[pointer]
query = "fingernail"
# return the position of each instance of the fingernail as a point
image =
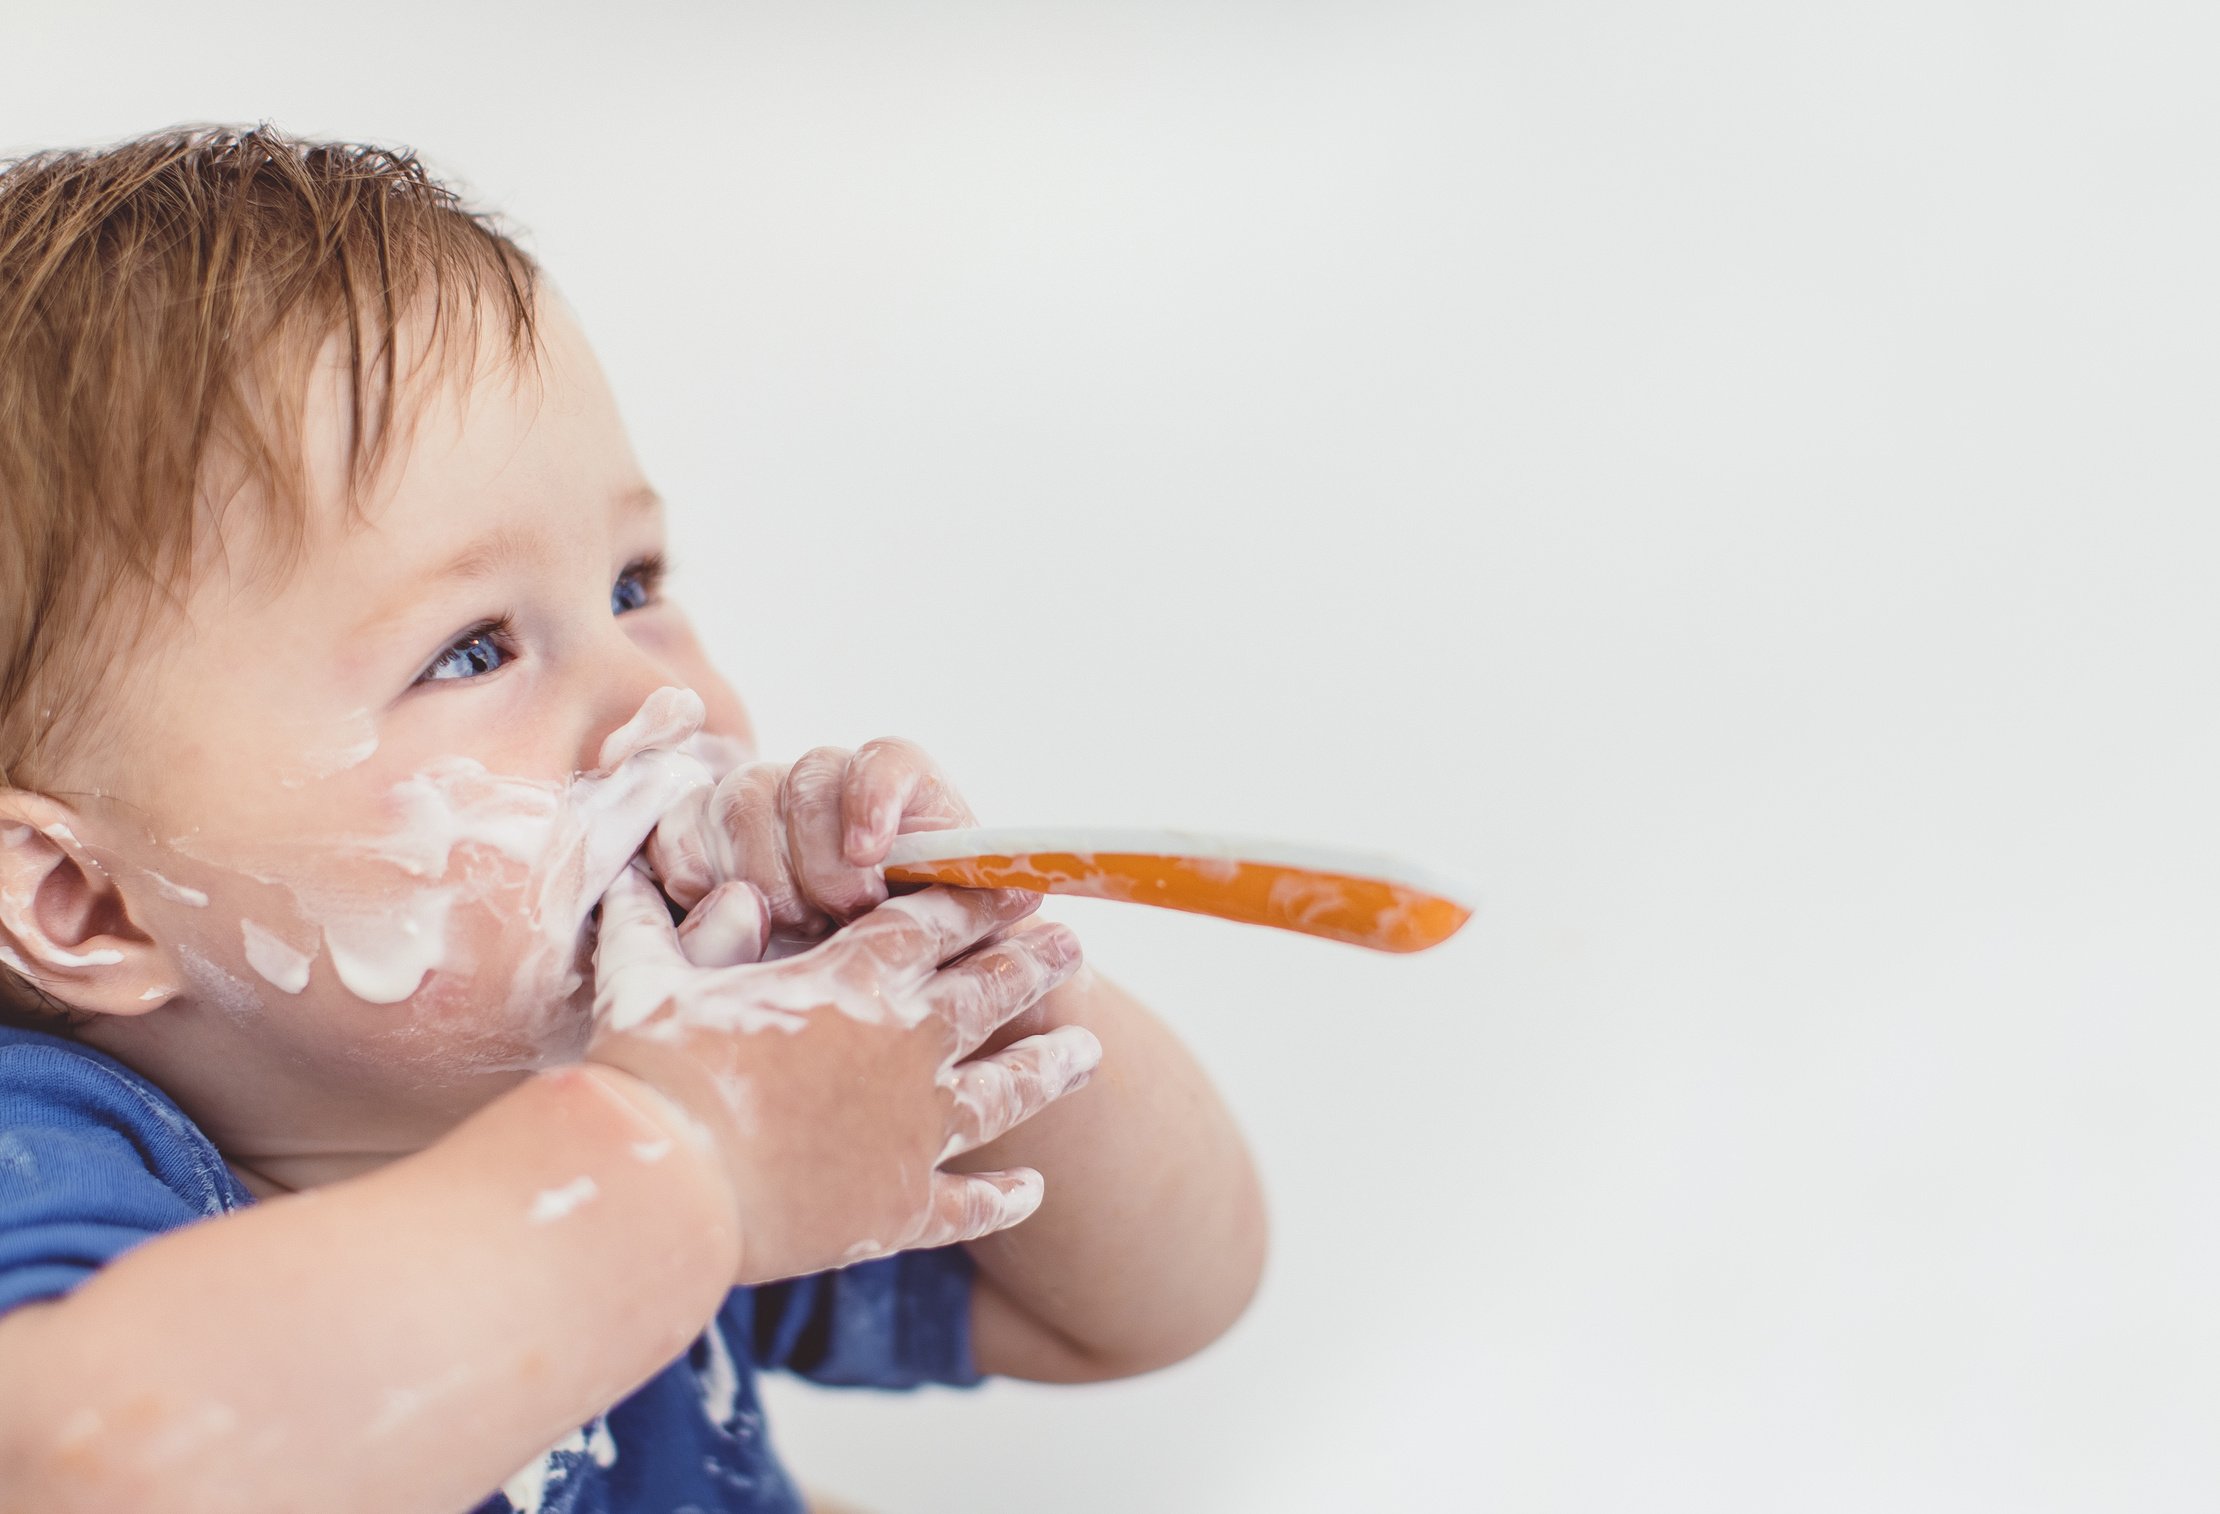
(869, 838)
(1063, 945)
(1015, 903)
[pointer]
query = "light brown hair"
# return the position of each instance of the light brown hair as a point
(163, 303)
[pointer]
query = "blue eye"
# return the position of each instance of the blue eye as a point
(636, 585)
(475, 654)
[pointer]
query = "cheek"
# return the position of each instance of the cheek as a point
(486, 963)
(364, 967)
(433, 990)
(506, 997)
(448, 931)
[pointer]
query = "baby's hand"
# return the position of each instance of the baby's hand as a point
(829, 1087)
(810, 838)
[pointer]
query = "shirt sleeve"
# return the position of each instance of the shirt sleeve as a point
(93, 1161)
(896, 1322)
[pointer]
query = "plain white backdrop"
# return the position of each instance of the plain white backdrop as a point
(1734, 481)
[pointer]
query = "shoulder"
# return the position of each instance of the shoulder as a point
(49, 1083)
(93, 1159)
(45, 1073)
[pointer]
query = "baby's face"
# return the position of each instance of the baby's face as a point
(385, 770)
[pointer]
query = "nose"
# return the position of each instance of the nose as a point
(636, 705)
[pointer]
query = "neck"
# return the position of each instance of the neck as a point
(273, 1176)
(279, 1131)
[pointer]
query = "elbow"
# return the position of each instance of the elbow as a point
(1236, 1272)
(1226, 1268)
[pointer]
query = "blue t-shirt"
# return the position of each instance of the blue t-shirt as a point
(95, 1159)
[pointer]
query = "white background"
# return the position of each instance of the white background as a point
(1735, 481)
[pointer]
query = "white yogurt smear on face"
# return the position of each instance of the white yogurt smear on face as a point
(462, 836)
(278, 963)
(177, 893)
(383, 956)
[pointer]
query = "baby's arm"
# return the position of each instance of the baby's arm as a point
(1151, 1239)
(398, 1343)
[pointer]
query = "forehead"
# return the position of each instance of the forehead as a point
(473, 424)
(487, 461)
(479, 430)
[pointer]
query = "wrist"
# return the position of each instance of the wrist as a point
(658, 1132)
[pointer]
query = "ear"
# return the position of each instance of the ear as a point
(64, 924)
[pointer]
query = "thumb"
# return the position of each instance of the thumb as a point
(634, 952)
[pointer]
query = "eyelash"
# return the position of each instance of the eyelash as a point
(649, 572)
(499, 634)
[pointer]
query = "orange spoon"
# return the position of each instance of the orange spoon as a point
(1358, 897)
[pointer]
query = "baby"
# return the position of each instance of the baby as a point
(367, 1126)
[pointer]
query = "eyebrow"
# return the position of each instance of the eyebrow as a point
(487, 555)
(496, 550)
(507, 544)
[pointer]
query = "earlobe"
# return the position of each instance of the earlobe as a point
(64, 925)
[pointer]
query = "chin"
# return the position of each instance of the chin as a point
(454, 1034)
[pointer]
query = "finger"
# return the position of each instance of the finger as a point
(687, 851)
(811, 803)
(994, 1095)
(730, 926)
(746, 810)
(994, 985)
(893, 786)
(634, 950)
(966, 1206)
(635, 922)
(912, 935)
